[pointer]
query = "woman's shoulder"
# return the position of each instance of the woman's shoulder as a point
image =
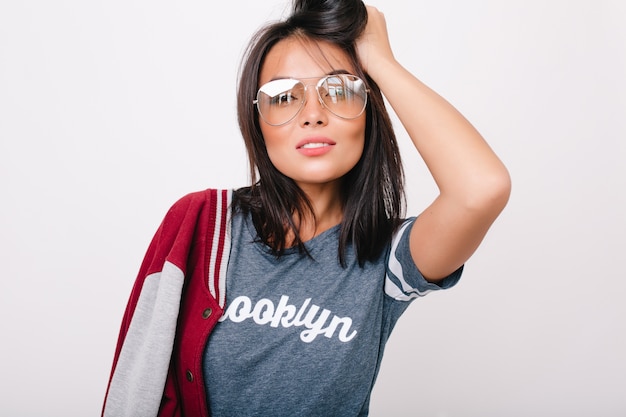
(197, 200)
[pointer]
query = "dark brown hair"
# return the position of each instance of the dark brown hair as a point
(372, 192)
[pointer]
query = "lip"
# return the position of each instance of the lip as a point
(327, 146)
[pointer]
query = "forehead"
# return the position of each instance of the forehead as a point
(303, 58)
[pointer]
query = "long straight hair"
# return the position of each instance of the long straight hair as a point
(372, 192)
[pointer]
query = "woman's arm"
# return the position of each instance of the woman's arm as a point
(473, 183)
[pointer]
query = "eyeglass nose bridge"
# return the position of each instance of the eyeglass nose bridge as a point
(316, 87)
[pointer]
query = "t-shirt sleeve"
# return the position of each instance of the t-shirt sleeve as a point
(403, 281)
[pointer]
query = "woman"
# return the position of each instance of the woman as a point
(278, 298)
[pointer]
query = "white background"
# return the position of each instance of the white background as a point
(112, 110)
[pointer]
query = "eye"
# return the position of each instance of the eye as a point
(281, 92)
(284, 99)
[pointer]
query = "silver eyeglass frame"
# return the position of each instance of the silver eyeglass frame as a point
(255, 102)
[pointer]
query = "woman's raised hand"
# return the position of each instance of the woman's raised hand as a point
(373, 46)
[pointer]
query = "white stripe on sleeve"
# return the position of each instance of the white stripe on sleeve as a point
(395, 283)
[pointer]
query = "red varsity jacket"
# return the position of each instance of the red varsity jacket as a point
(177, 299)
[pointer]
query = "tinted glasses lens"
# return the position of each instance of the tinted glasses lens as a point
(344, 95)
(280, 100)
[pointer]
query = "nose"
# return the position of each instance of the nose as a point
(313, 112)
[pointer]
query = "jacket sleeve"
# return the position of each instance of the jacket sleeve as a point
(144, 347)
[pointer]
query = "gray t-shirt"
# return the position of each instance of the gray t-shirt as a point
(302, 336)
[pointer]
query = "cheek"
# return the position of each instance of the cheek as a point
(358, 135)
(274, 139)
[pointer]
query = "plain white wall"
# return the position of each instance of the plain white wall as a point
(112, 110)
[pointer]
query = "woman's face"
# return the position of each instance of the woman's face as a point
(315, 148)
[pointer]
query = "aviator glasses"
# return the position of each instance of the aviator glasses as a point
(279, 101)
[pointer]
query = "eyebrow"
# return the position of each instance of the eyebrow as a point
(333, 72)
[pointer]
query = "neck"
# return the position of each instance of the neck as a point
(327, 208)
